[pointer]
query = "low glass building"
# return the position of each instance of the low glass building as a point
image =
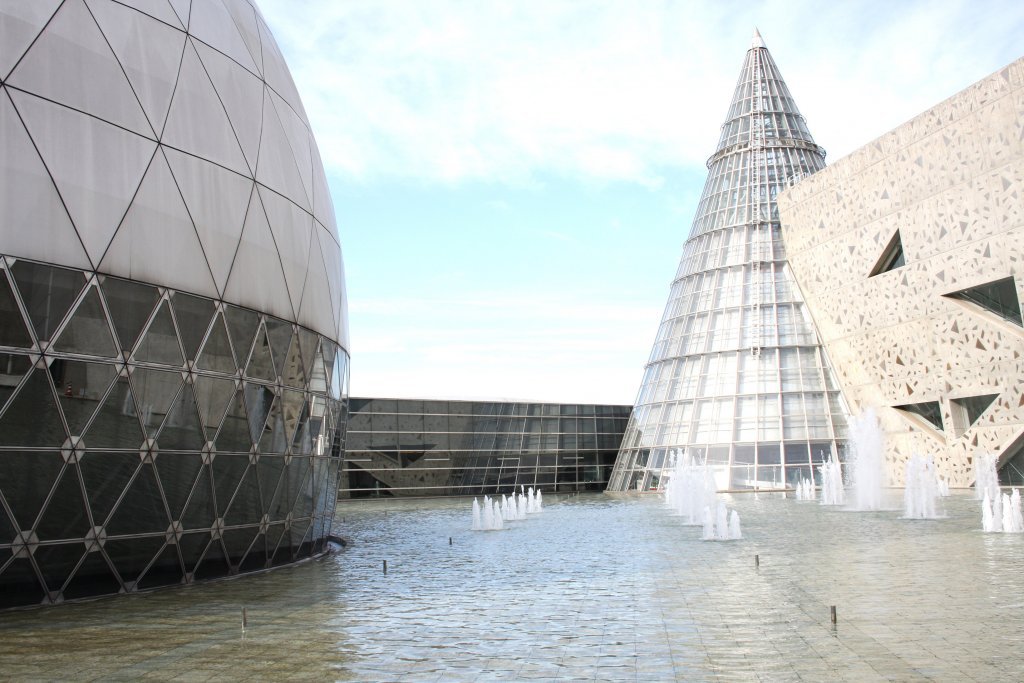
(404, 447)
(173, 333)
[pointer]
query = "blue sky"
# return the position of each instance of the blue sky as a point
(514, 181)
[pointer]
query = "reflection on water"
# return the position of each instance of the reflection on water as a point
(595, 587)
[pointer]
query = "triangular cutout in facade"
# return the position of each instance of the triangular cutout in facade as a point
(892, 256)
(72, 63)
(998, 296)
(968, 409)
(929, 411)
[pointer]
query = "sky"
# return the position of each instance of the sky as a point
(514, 181)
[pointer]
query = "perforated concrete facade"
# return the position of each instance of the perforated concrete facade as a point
(951, 183)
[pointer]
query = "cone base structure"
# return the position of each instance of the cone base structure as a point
(737, 375)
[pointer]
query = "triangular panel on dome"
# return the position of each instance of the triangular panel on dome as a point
(165, 570)
(257, 280)
(316, 309)
(32, 417)
(196, 122)
(93, 577)
(130, 305)
(82, 387)
(227, 470)
(155, 391)
(234, 434)
(244, 17)
(181, 430)
(279, 334)
(270, 469)
(293, 371)
(183, 8)
(141, 509)
(97, 183)
(278, 167)
(217, 200)
(293, 229)
(47, 292)
(300, 141)
(15, 367)
(157, 241)
(36, 223)
(160, 342)
(274, 438)
(323, 204)
(158, 9)
(216, 353)
(13, 328)
(214, 561)
(71, 63)
(261, 363)
(149, 51)
(308, 342)
(179, 474)
(211, 23)
(242, 95)
(131, 556)
(245, 505)
(87, 331)
(67, 514)
(213, 395)
(330, 249)
(193, 315)
(20, 23)
(56, 563)
(242, 324)
(106, 475)
(116, 423)
(201, 512)
(259, 400)
(237, 542)
(276, 72)
(293, 404)
(26, 495)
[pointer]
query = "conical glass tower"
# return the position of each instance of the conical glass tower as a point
(737, 374)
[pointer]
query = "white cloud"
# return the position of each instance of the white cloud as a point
(447, 91)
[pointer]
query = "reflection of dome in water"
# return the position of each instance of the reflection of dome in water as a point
(173, 330)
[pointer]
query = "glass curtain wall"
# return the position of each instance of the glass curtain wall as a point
(737, 375)
(409, 447)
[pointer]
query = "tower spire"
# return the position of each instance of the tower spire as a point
(737, 374)
(756, 41)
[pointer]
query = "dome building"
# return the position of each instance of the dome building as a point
(173, 328)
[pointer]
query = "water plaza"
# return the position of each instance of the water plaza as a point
(595, 587)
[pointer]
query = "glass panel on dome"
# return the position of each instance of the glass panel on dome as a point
(216, 353)
(130, 304)
(47, 292)
(160, 343)
(87, 332)
(193, 315)
(13, 331)
(242, 325)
